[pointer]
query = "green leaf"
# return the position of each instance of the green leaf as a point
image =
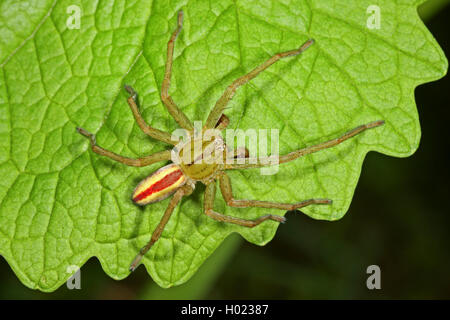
(61, 204)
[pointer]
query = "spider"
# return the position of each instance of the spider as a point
(179, 179)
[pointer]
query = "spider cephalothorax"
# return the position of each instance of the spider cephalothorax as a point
(205, 160)
(195, 160)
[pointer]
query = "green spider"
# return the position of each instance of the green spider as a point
(179, 179)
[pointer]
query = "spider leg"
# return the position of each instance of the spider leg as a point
(185, 190)
(173, 109)
(238, 153)
(241, 152)
(210, 194)
(262, 162)
(152, 132)
(140, 162)
(225, 188)
(220, 105)
(223, 122)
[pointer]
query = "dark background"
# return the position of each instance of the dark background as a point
(399, 220)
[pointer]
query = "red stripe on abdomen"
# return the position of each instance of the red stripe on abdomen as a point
(159, 185)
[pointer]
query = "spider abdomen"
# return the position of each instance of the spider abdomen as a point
(159, 185)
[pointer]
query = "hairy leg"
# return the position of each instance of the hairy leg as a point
(183, 191)
(140, 162)
(152, 132)
(173, 109)
(220, 105)
(225, 188)
(210, 194)
(262, 162)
